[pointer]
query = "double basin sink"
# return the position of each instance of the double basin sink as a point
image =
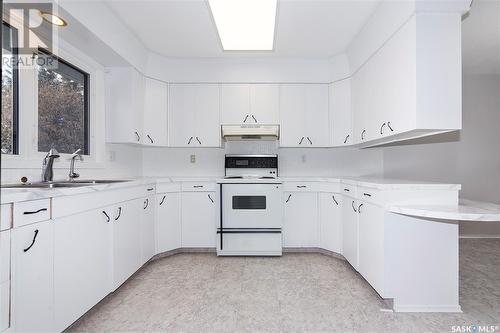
(57, 184)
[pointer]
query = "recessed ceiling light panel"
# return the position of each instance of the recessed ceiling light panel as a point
(53, 19)
(245, 25)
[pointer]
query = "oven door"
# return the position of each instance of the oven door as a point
(251, 206)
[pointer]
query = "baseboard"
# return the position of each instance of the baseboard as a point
(313, 250)
(429, 308)
(482, 236)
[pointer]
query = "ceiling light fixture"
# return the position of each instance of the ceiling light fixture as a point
(245, 25)
(53, 19)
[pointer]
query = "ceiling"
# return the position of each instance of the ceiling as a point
(481, 38)
(184, 28)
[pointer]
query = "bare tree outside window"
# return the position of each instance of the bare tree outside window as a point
(9, 91)
(62, 107)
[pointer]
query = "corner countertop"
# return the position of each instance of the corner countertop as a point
(467, 210)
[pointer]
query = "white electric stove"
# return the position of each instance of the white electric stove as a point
(251, 217)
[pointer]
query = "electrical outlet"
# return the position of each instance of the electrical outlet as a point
(303, 158)
(193, 158)
(112, 155)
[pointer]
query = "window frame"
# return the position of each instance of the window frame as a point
(86, 101)
(15, 93)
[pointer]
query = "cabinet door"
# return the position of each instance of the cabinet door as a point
(371, 244)
(300, 227)
(340, 113)
(168, 230)
(194, 115)
(208, 132)
(264, 103)
(198, 225)
(235, 104)
(330, 222)
(350, 230)
(316, 116)
(138, 86)
(82, 264)
(4, 279)
(155, 113)
(126, 240)
(304, 115)
(147, 222)
(33, 277)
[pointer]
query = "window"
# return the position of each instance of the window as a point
(63, 106)
(10, 104)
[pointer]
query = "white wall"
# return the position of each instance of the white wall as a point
(471, 158)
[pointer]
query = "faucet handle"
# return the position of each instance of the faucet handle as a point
(53, 153)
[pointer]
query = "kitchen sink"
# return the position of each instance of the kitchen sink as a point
(58, 184)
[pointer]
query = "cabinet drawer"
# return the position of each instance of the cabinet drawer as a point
(28, 212)
(198, 187)
(6, 217)
(329, 187)
(369, 195)
(4, 256)
(4, 305)
(168, 187)
(301, 186)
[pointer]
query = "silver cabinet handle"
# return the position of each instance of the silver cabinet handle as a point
(359, 208)
(190, 139)
(210, 198)
(107, 216)
(138, 136)
(363, 135)
(35, 212)
(32, 242)
(255, 119)
(197, 186)
(382, 129)
(288, 199)
(197, 139)
(245, 120)
(119, 214)
(346, 138)
(301, 186)
(334, 200)
(150, 138)
(353, 208)
(146, 203)
(367, 194)
(300, 142)
(162, 200)
(309, 140)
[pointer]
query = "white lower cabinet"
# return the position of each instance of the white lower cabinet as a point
(300, 226)
(82, 263)
(350, 230)
(168, 221)
(330, 222)
(148, 229)
(4, 280)
(126, 240)
(198, 219)
(371, 244)
(33, 277)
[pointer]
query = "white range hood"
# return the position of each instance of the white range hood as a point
(251, 132)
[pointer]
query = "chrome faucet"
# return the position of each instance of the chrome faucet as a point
(76, 155)
(48, 164)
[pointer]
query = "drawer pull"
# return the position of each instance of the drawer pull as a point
(255, 119)
(346, 138)
(32, 242)
(382, 129)
(288, 199)
(335, 200)
(162, 200)
(189, 141)
(389, 125)
(197, 139)
(35, 212)
(347, 190)
(308, 139)
(367, 194)
(150, 138)
(359, 208)
(119, 214)
(363, 135)
(146, 203)
(137, 136)
(150, 189)
(107, 216)
(301, 186)
(300, 142)
(210, 198)
(197, 186)
(245, 120)
(353, 208)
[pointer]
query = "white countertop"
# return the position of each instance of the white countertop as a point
(467, 210)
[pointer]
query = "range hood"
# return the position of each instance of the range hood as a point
(251, 132)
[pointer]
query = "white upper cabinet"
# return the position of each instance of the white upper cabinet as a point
(194, 115)
(155, 113)
(124, 106)
(304, 115)
(250, 103)
(411, 86)
(340, 113)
